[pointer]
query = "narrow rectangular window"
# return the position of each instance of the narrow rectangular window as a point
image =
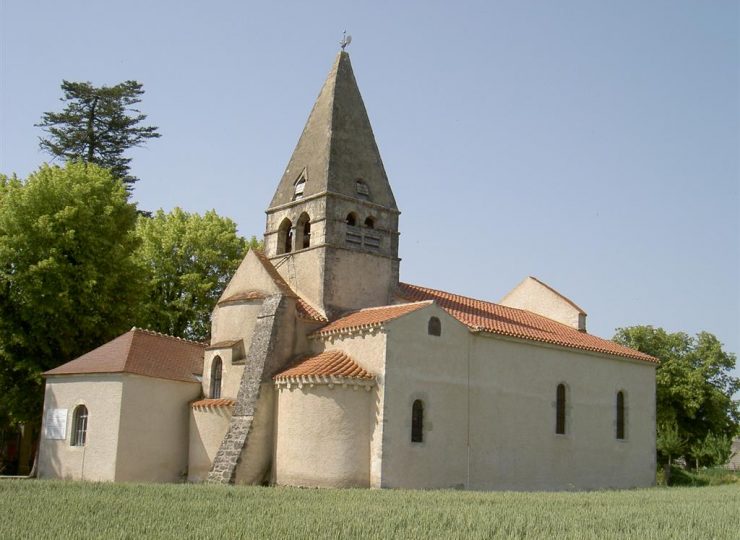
(417, 421)
(620, 415)
(560, 410)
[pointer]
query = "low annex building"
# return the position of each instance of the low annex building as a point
(324, 369)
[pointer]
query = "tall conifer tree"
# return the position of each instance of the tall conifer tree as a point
(97, 126)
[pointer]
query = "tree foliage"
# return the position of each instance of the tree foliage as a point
(189, 260)
(694, 383)
(97, 125)
(68, 282)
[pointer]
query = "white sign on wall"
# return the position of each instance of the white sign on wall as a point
(56, 424)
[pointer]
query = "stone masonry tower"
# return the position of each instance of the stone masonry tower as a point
(332, 226)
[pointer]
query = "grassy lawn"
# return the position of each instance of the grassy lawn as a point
(46, 509)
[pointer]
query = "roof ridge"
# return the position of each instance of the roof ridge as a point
(386, 306)
(561, 295)
(160, 334)
(502, 306)
(490, 317)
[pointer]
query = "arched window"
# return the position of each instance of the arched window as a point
(352, 219)
(434, 328)
(285, 236)
(79, 426)
(560, 410)
(370, 222)
(620, 415)
(417, 421)
(303, 231)
(216, 374)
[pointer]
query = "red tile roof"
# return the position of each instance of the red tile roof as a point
(369, 317)
(141, 352)
(328, 363)
(496, 319)
(207, 403)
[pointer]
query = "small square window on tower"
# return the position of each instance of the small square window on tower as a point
(300, 184)
(362, 189)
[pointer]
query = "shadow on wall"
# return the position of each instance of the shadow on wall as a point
(51, 464)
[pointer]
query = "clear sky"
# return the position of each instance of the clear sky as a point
(594, 145)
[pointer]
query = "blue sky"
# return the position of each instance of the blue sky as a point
(593, 145)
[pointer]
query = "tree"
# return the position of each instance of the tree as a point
(189, 259)
(68, 282)
(97, 126)
(694, 385)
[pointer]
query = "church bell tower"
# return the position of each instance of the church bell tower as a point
(332, 226)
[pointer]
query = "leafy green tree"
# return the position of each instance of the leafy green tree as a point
(68, 282)
(97, 126)
(694, 382)
(669, 441)
(189, 259)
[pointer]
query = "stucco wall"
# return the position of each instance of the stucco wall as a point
(533, 296)
(515, 446)
(153, 436)
(207, 429)
(95, 461)
(367, 349)
(254, 467)
(231, 373)
(432, 369)
(509, 390)
(304, 272)
(234, 320)
(323, 436)
(357, 280)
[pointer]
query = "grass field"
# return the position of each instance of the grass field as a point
(46, 509)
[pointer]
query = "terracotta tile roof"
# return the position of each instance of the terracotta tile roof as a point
(518, 323)
(369, 317)
(246, 295)
(304, 309)
(328, 363)
(141, 352)
(207, 403)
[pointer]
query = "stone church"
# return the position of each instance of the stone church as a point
(324, 369)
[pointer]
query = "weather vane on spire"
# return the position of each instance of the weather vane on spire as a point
(346, 40)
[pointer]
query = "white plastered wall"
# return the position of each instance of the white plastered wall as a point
(234, 320)
(434, 370)
(534, 296)
(96, 460)
(512, 407)
(208, 426)
(231, 373)
(323, 436)
(259, 448)
(153, 435)
(499, 395)
(367, 348)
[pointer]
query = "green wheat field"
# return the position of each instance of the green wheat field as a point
(54, 509)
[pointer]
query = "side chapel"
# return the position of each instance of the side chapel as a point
(323, 369)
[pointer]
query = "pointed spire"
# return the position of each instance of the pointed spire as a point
(337, 147)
